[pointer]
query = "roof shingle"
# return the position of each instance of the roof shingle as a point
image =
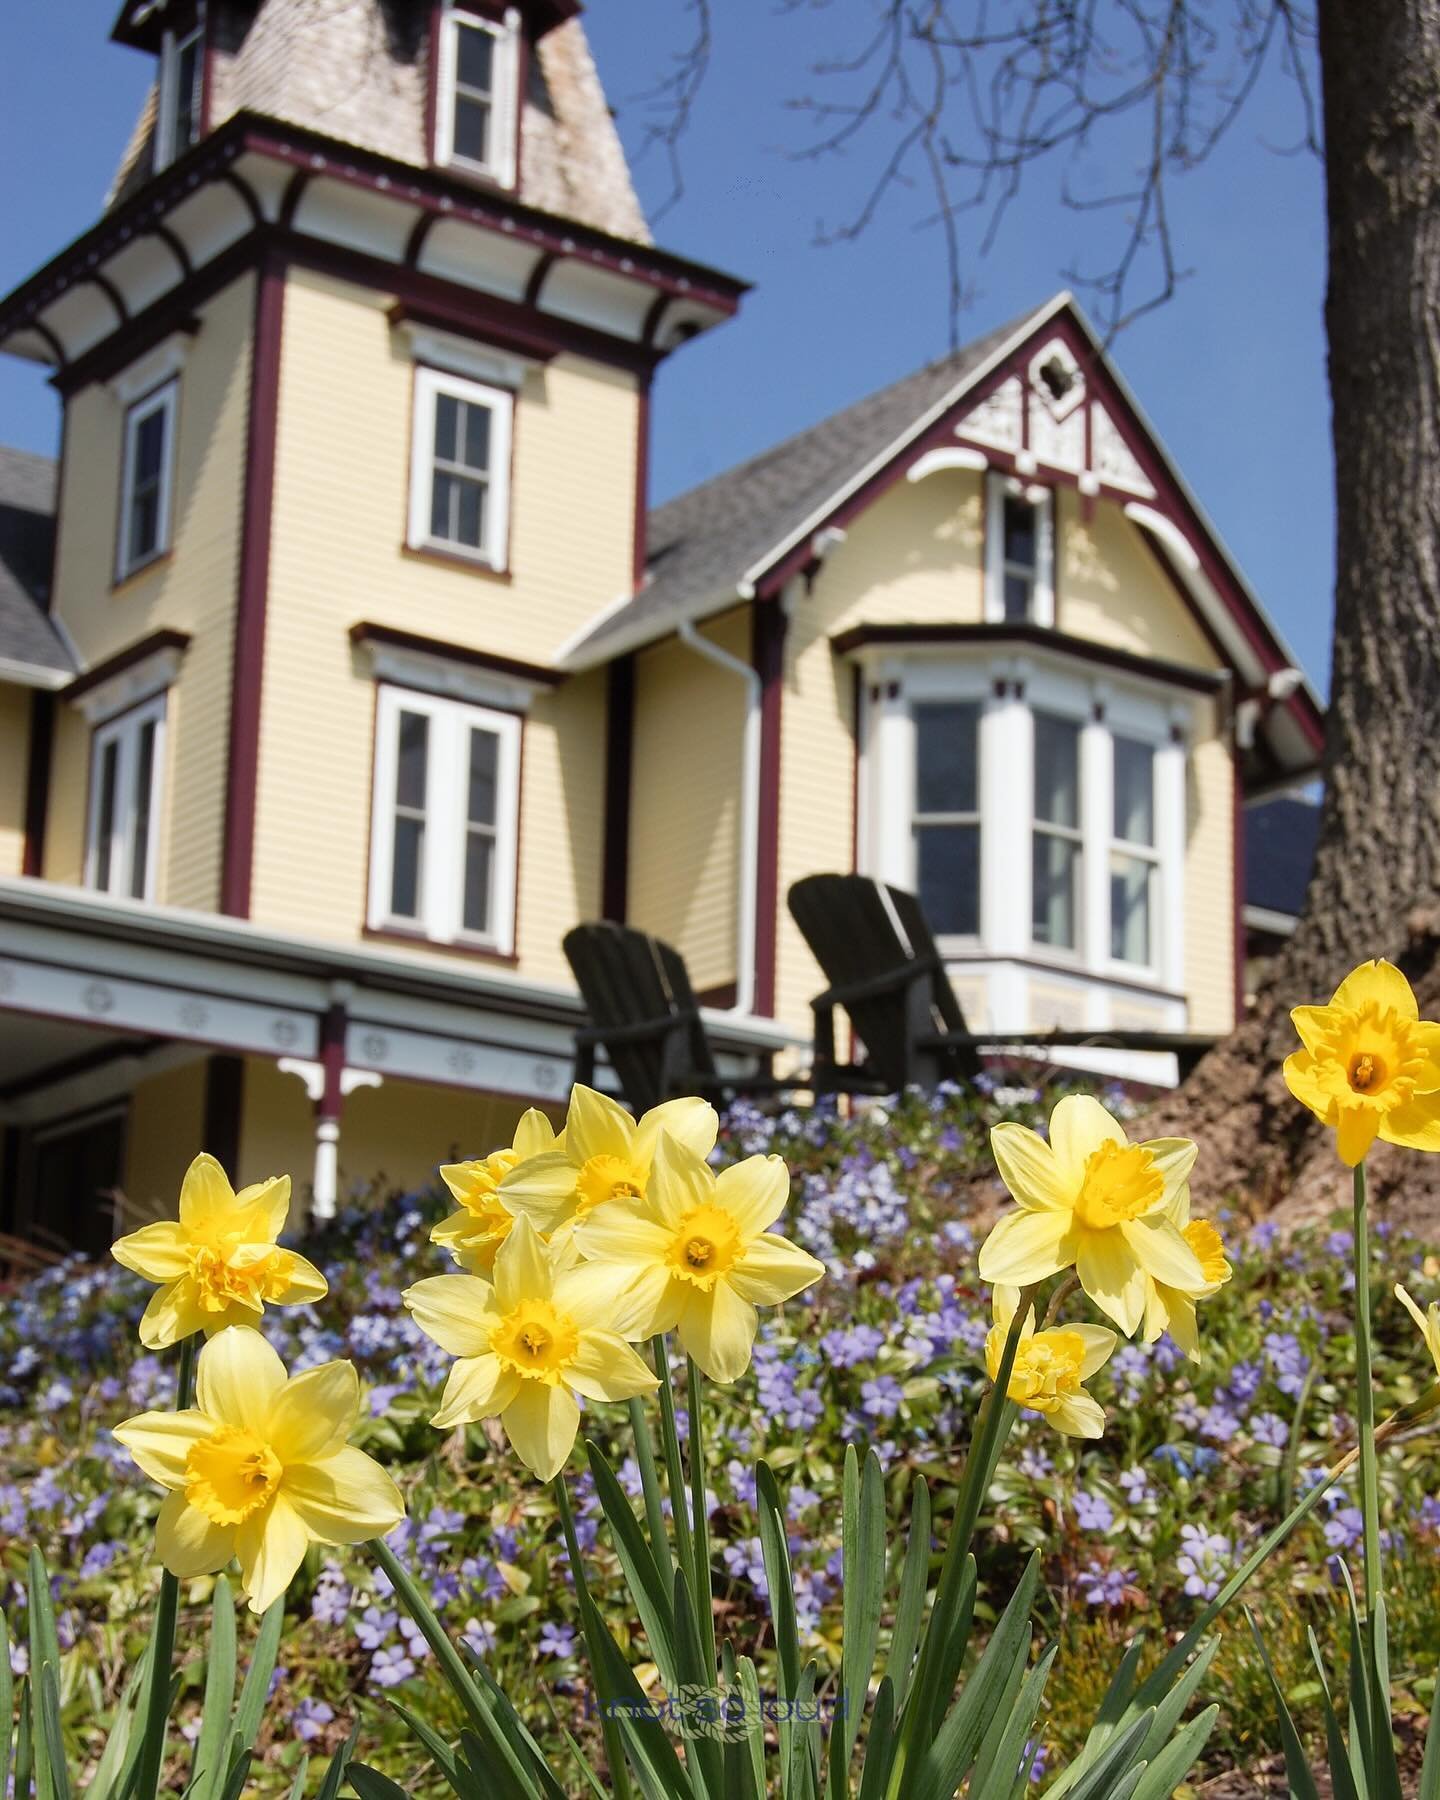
(27, 552)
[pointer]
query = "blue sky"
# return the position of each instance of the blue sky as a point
(1231, 371)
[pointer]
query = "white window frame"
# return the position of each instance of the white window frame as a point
(430, 384)
(504, 97)
(166, 401)
(124, 732)
(1149, 854)
(999, 487)
(1068, 710)
(914, 817)
(173, 46)
(442, 870)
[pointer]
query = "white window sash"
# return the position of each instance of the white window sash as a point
(504, 93)
(430, 384)
(997, 486)
(162, 401)
(172, 47)
(125, 733)
(442, 871)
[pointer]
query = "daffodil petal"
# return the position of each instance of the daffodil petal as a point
(174, 1313)
(1175, 1158)
(205, 1193)
(754, 1192)
(1356, 1130)
(542, 1189)
(301, 1283)
(189, 1543)
(1303, 1081)
(343, 1498)
(1111, 1276)
(267, 1204)
(534, 1135)
(606, 1368)
(1099, 1344)
(689, 1121)
(1027, 1246)
(541, 1423)
(1079, 1125)
(616, 1233)
(596, 1292)
(1311, 1023)
(159, 1252)
(1414, 1126)
(270, 1546)
(680, 1181)
(1077, 1415)
(524, 1267)
(772, 1269)
(1379, 984)
(718, 1329)
(596, 1125)
(477, 1388)
(1028, 1168)
(161, 1441)
(1163, 1254)
(237, 1377)
(456, 1311)
(314, 1413)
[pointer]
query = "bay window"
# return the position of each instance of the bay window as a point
(477, 94)
(446, 805)
(1056, 840)
(947, 815)
(124, 807)
(1134, 859)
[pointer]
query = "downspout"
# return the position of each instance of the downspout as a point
(749, 809)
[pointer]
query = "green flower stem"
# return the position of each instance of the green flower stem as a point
(674, 1468)
(699, 1514)
(162, 1636)
(1365, 1402)
(593, 1625)
(650, 1483)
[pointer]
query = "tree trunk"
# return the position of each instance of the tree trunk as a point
(1375, 890)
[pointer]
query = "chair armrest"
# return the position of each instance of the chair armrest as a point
(874, 986)
(637, 1033)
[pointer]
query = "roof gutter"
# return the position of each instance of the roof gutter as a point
(749, 809)
(34, 675)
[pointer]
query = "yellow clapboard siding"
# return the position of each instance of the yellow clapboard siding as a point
(14, 760)
(685, 799)
(192, 590)
(164, 1134)
(337, 557)
(1210, 877)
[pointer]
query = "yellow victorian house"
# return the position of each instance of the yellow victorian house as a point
(341, 670)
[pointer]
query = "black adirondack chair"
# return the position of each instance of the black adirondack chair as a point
(644, 1014)
(876, 950)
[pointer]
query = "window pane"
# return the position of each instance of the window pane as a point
(149, 447)
(484, 756)
(947, 757)
(187, 82)
(1057, 771)
(1019, 593)
(411, 760)
(1053, 911)
(1131, 883)
(947, 860)
(405, 873)
(472, 130)
(479, 860)
(144, 524)
(475, 57)
(140, 816)
(441, 498)
(470, 520)
(1134, 791)
(105, 813)
(447, 427)
(477, 438)
(1019, 531)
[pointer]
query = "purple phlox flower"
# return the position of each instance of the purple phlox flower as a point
(881, 1398)
(1135, 1484)
(374, 1627)
(388, 1668)
(557, 1641)
(310, 1718)
(1270, 1428)
(1101, 1586)
(1093, 1512)
(1204, 1561)
(480, 1637)
(1344, 1528)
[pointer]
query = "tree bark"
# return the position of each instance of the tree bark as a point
(1375, 890)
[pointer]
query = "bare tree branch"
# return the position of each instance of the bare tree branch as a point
(671, 104)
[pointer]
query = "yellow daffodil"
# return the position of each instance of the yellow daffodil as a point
(602, 1155)
(1370, 1066)
(260, 1467)
(1092, 1199)
(1170, 1308)
(542, 1328)
(218, 1264)
(1050, 1366)
(1428, 1321)
(697, 1253)
(476, 1232)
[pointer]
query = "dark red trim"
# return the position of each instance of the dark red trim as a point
(538, 274)
(415, 243)
(619, 766)
(642, 481)
(768, 656)
(722, 996)
(1039, 637)
(431, 300)
(248, 196)
(176, 248)
(247, 668)
(37, 780)
(111, 293)
(290, 200)
(366, 633)
(150, 645)
(224, 1109)
(507, 327)
(857, 689)
(332, 1059)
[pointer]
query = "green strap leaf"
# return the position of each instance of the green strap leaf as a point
(370, 1784)
(50, 1730)
(914, 1582)
(255, 1690)
(1297, 1766)
(651, 1591)
(1164, 1772)
(439, 1752)
(881, 1743)
(1114, 1775)
(24, 1744)
(207, 1768)
(339, 1763)
(704, 1754)
(1002, 1753)
(863, 1595)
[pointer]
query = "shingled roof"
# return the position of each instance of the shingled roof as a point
(27, 551)
(1280, 838)
(703, 545)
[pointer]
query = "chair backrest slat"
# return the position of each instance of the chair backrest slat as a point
(628, 979)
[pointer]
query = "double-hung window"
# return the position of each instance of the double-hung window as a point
(478, 77)
(147, 479)
(1056, 835)
(1134, 857)
(946, 818)
(460, 469)
(182, 73)
(1019, 556)
(446, 820)
(127, 758)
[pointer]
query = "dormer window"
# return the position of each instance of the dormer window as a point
(477, 100)
(1019, 553)
(182, 74)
